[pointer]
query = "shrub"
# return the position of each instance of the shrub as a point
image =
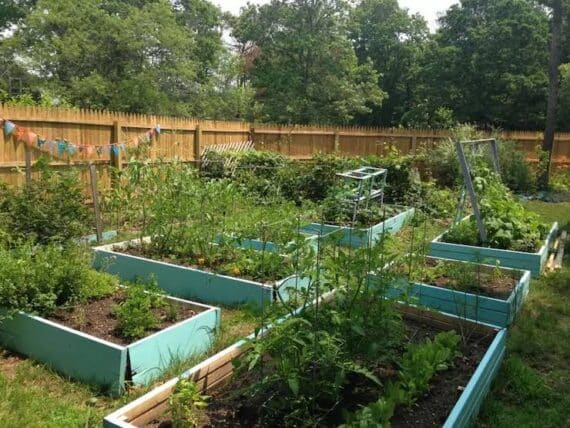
(516, 172)
(50, 208)
(399, 178)
(37, 279)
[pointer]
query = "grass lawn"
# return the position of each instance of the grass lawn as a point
(533, 387)
(34, 396)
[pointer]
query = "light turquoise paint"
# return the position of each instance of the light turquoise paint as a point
(150, 356)
(462, 414)
(488, 310)
(467, 407)
(356, 237)
(98, 362)
(188, 283)
(512, 259)
(67, 351)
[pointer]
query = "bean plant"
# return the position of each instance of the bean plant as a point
(508, 224)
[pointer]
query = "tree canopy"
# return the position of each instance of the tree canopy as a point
(368, 62)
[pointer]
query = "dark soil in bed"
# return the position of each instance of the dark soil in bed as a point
(96, 317)
(486, 281)
(229, 407)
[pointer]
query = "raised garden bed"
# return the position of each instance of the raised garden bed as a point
(82, 342)
(487, 294)
(191, 282)
(534, 262)
(361, 236)
(457, 392)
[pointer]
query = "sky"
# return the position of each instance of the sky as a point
(428, 8)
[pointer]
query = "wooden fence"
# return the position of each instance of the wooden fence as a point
(186, 139)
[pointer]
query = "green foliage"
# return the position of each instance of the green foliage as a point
(37, 279)
(50, 208)
(135, 315)
(291, 36)
(400, 173)
(509, 226)
(186, 404)
(393, 39)
(488, 64)
(435, 201)
(516, 172)
(419, 364)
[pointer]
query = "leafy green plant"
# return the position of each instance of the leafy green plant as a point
(507, 223)
(50, 208)
(135, 315)
(419, 364)
(37, 279)
(187, 404)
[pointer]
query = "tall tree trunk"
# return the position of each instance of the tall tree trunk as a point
(552, 107)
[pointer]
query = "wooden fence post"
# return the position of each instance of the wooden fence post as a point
(251, 135)
(336, 141)
(197, 143)
(116, 135)
(414, 144)
(95, 198)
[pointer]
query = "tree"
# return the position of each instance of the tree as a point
(127, 55)
(305, 69)
(488, 63)
(393, 41)
(553, 89)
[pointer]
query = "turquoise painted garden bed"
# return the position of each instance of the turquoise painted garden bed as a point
(191, 283)
(217, 369)
(361, 237)
(489, 310)
(534, 262)
(91, 360)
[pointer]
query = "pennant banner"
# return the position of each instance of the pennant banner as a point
(61, 147)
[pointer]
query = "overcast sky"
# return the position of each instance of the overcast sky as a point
(428, 8)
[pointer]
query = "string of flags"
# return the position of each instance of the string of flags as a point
(62, 147)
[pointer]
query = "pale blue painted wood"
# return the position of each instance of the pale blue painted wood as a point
(361, 237)
(185, 282)
(67, 351)
(150, 356)
(488, 310)
(467, 407)
(534, 262)
(94, 361)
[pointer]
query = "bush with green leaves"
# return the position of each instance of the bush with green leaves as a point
(516, 172)
(400, 176)
(50, 208)
(38, 279)
(135, 314)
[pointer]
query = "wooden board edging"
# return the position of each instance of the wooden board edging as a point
(152, 404)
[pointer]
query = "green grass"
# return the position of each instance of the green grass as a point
(533, 386)
(31, 395)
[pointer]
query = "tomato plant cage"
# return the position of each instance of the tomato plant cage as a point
(367, 186)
